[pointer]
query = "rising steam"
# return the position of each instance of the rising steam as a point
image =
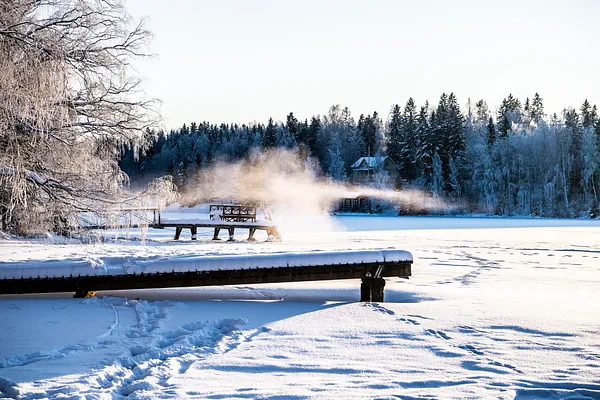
(287, 184)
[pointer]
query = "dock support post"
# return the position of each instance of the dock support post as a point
(371, 289)
(231, 232)
(365, 290)
(251, 235)
(216, 235)
(177, 233)
(194, 230)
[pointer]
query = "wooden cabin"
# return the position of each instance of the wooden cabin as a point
(365, 169)
(354, 202)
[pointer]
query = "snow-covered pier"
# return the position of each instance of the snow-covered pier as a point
(230, 226)
(222, 216)
(84, 279)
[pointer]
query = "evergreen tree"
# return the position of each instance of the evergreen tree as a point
(510, 112)
(437, 179)
(456, 128)
(311, 137)
(269, 139)
(426, 147)
(527, 112)
(184, 130)
(572, 124)
(537, 109)
(378, 144)
(571, 120)
(368, 129)
(285, 138)
(407, 151)
(394, 133)
(437, 126)
(504, 126)
(292, 125)
(591, 169)
(491, 132)
(587, 116)
(302, 134)
(454, 181)
(455, 140)
(361, 124)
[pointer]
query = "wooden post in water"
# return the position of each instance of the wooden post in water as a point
(377, 290)
(371, 289)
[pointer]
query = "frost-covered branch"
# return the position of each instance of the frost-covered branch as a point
(69, 102)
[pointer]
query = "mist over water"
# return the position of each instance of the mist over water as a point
(289, 188)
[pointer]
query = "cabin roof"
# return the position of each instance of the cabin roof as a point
(370, 162)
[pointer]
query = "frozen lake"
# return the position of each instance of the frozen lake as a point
(497, 308)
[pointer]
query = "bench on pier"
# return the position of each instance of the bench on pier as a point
(371, 266)
(232, 213)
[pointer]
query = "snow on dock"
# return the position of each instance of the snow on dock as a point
(191, 263)
(85, 279)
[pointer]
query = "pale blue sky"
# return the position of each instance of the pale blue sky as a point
(241, 61)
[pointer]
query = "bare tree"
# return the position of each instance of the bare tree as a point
(69, 102)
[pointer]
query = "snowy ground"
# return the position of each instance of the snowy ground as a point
(496, 308)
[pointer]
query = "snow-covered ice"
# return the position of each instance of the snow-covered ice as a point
(496, 308)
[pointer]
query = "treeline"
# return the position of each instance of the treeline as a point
(516, 161)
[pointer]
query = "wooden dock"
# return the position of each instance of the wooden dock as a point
(227, 217)
(371, 273)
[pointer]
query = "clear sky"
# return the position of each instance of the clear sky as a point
(248, 60)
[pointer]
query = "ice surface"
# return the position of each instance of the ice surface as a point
(496, 308)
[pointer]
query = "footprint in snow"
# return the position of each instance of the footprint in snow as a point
(472, 349)
(440, 334)
(379, 308)
(409, 321)
(419, 317)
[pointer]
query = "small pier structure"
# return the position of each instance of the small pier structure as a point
(221, 216)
